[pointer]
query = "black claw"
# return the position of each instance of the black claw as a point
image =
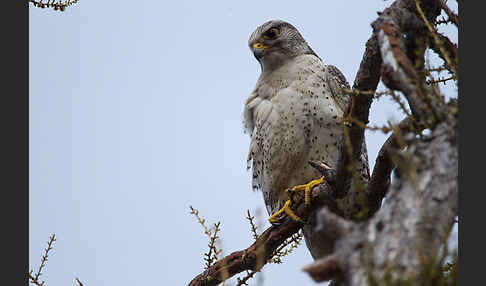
(291, 195)
(276, 223)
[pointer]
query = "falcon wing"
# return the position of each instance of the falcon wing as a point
(337, 82)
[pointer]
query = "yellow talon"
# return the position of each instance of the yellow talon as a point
(307, 188)
(286, 208)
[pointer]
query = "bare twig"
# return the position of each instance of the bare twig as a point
(253, 227)
(366, 92)
(437, 40)
(452, 16)
(79, 282)
(437, 69)
(201, 221)
(242, 281)
(34, 278)
(442, 21)
(56, 5)
(439, 80)
(213, 252)
(402, 104)
(449, 48)
(280, 252)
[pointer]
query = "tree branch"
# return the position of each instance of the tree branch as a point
(423, 229)
(261, 251)
(379, 183)
(452, 16)
(449, 48)
(367, 79)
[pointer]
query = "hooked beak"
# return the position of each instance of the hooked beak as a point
(258, 50)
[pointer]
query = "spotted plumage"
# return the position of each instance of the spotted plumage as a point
(293, 115)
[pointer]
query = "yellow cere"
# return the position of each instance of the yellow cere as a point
(259, 46)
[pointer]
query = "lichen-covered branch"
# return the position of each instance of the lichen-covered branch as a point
(412, 225)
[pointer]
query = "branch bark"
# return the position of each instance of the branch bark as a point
(379, 183)
(367, 79)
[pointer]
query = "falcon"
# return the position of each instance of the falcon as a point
(294, 115)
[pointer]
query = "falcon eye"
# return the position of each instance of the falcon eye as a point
(271, 34)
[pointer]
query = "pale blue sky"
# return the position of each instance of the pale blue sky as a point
(135, 114)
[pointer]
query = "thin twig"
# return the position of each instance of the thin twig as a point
(79, 282)
(437, 69)
(294, 242)
(242, 281)
(452, 16)
(376, 94)
(436, 38)
(34, 279)
(443, 80)
(57, 6)
(213, 252)
(201, 221)
(402, 105)
(253, 227)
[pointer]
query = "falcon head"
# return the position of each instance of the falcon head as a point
(275, 42)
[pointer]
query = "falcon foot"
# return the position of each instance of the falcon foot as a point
(307, 188)
(286, 208)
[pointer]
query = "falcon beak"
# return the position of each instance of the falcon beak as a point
(259, 50)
